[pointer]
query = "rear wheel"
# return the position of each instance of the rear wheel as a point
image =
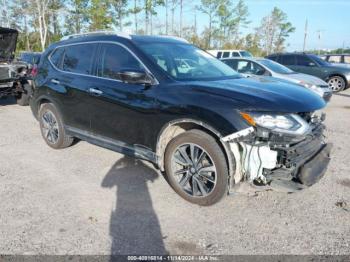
(196, 167)
(52, 129)
(337, 83)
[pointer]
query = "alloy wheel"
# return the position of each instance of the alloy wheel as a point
(50, 127)
(336, 83)
(194, 170)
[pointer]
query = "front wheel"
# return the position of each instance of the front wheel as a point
(336, 83)
(196, 167)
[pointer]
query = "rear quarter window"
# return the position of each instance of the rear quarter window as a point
(287, 60)
(56, 57)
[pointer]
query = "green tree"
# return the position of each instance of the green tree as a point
(135, 10)
(78, 17)
(121, 12)
(274, 30)
(240, 20)
(99, 15)
(210, 8)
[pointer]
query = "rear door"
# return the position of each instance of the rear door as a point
(288, 61)
(307, 66)
(72, 82)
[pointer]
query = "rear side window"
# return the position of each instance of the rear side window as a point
(226, 54)
(303, 60)
(56, 57)
(273, 57)
(287, 60)
(219, 55)
(334, 59)
(347, 59)
(78, 58)
(115, 58)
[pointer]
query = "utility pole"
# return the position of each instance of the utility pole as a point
(181, 6)
(166, 17)
(319, 39)
(305, 36)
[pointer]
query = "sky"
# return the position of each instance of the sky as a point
(332, 17)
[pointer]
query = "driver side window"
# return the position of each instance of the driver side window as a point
(257, 69)
(113, 59)
(244, 66)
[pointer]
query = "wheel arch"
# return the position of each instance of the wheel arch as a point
(176, 127)
(340, 75)
(44, 100)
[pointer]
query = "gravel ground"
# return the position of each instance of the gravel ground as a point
(89, 200)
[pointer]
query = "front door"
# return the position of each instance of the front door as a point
(121, 111)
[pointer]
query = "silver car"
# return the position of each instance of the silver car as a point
(259, 67)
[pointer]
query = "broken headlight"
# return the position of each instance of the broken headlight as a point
(282, 123)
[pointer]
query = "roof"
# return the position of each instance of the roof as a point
(137, 38)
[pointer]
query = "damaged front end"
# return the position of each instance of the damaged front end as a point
(285, 151)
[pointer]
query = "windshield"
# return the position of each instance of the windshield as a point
(245, 54)
(319, 60)
(187, 62)
(276, 67)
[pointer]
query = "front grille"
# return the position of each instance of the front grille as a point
(297, 154)
(306, 116)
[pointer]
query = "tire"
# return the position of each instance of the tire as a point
(337, 83)
(23, 98)
(52, 128)
(199, 185)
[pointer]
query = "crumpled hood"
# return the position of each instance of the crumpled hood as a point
(8, 40)
(260, 94)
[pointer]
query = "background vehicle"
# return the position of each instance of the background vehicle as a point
(343, 59)
(131, 94)
(13, 74)
(265, 67)
(30, 57)
(338, 77)
(229, 53)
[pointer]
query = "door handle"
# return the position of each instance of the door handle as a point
(55, 81)
(95, 91)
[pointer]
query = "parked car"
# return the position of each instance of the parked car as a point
(338, 77)
(338, 58)
(229, 53)
(207, 128)
(31, 58)
(266, 67)
(13, 73)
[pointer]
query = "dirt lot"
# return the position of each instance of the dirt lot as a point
(89, 200)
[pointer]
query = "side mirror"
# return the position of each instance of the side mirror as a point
(138, 77)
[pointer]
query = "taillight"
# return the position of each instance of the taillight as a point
(34, 71)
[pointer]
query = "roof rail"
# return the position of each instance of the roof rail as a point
(173, 37)
(96, 33)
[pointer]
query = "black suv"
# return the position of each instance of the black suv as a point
(337, 76)
(166, 101)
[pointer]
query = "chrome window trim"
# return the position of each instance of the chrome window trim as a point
(156, 82)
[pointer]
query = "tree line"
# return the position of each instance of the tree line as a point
(227, 22)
